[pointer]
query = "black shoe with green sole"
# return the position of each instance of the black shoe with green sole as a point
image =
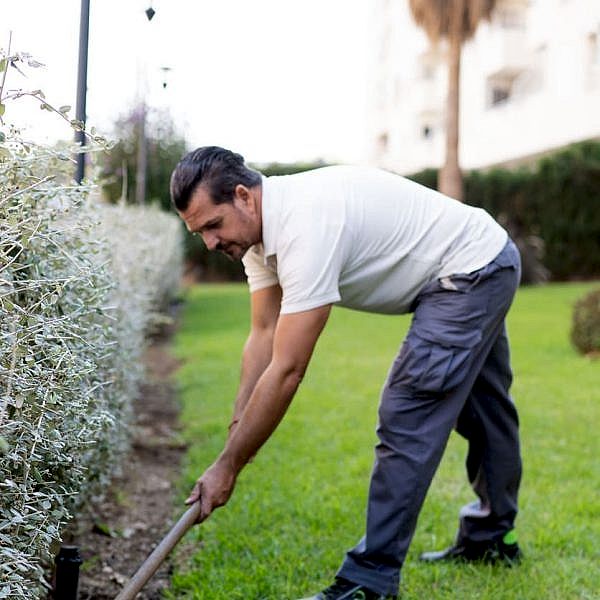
(504, 550)
(343, 589)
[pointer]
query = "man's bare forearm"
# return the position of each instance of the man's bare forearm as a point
(255, 359)
(263, 411)
(293, 344)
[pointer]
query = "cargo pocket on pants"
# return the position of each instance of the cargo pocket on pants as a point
(428, 366)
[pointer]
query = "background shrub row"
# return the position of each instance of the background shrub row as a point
(551, 208)
(79, 285)
(555, 204)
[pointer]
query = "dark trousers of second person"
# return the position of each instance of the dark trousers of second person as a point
(452, 372)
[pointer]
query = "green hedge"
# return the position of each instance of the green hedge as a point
(556, 202)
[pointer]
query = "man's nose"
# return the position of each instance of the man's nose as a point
(211, 241)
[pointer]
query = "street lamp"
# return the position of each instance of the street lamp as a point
(142, 151)
(84, 29)
(165, 71)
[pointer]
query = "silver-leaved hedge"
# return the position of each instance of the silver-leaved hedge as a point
(80, 284)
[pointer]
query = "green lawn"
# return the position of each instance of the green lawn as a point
(301, 503)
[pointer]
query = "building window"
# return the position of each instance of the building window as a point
(511, 17)
(500, 94)
(428, 63)
(381, 95)
(398, 89)
(593, 74)
(428, 71)
(499, 90)
(384, 44)
(383, 141)
(594, 48)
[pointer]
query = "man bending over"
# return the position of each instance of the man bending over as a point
(369, 240)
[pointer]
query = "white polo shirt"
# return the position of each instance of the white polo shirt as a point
(364, 239)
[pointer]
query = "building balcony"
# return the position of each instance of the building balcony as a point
(505, 52)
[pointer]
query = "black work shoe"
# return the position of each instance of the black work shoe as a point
(504, 550)
(343, 589)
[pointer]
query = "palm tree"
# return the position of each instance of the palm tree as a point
(456, 21)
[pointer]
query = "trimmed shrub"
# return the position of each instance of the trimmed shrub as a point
(78, 286)
(585, 332)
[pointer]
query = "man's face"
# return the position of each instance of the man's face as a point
(229, 227)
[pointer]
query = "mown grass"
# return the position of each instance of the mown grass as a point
(301, 504)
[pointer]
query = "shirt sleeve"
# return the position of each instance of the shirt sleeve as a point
(258, 274)
(309, 266)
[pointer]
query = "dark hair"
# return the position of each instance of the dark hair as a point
(219, 169)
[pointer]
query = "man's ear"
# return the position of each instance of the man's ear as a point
(246, 197)
(242, 193)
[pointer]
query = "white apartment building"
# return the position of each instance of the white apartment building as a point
(530, 83)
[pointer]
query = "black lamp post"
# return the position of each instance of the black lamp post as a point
(84, 29)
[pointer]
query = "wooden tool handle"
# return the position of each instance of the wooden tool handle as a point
(151, 564)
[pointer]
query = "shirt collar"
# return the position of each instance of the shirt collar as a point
(270, 203)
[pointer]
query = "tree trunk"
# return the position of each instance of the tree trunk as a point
(450, 178)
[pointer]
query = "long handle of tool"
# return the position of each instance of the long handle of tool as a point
(151, 564)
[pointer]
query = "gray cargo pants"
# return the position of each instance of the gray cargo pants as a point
(452, 372)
